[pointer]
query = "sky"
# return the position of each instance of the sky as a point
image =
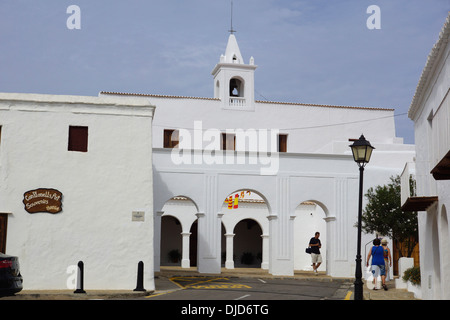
(307, 51)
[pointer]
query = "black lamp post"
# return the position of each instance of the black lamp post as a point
(362, 150)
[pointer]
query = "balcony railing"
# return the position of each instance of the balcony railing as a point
(237, 102)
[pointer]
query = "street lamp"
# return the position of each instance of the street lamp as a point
(362, 150)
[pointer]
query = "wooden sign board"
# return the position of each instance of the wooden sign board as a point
(43, 200)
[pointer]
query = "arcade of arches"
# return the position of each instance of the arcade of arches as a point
(244, 232)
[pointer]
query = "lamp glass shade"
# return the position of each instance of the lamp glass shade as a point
(362, 150)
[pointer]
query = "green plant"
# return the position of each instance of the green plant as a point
(174, 255)
(383, 215)
(247, 258)
(412, 275)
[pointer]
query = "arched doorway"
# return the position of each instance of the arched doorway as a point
(245, 230)
(247, 245)
(179, 233)
(310, 218)
(236, 87)
(171, 241)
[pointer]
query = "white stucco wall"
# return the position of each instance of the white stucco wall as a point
(101, 188)
(331, 181)
(430, 111)
(310, 128)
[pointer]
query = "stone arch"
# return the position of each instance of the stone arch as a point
(251, 206)
(237, 86)
(184, 210)
(255, 202)
(253, 192)
(169, 187)
(310, 217)
(248, 246)
(181, 197)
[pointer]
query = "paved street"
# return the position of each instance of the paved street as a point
(229, 288)
(237, 285)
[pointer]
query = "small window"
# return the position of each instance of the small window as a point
(282, 143)
(228, 141)
(78, 139)
(171, 138)
(430, 119)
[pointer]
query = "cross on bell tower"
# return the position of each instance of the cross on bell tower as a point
(233, 79)
(231, 31)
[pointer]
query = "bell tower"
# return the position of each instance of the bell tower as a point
(233, 79)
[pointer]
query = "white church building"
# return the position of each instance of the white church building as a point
(147, 177)
(291, 162)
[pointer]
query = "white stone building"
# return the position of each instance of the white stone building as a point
(139, 182)
(97, 153)
(308, 166)
(430, 111)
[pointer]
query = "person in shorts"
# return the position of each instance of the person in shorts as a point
(316, 257)
(378, 266)
(387, 258)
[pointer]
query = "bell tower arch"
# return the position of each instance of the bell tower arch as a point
(234, 80)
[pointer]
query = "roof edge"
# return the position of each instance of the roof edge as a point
(325, 105)
(256, 101)
(154, 95)
(71, 99)
(440, 44)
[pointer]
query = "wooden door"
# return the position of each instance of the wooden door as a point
(3, 226)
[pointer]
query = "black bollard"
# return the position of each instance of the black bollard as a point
(80, 278)
(140, 277)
